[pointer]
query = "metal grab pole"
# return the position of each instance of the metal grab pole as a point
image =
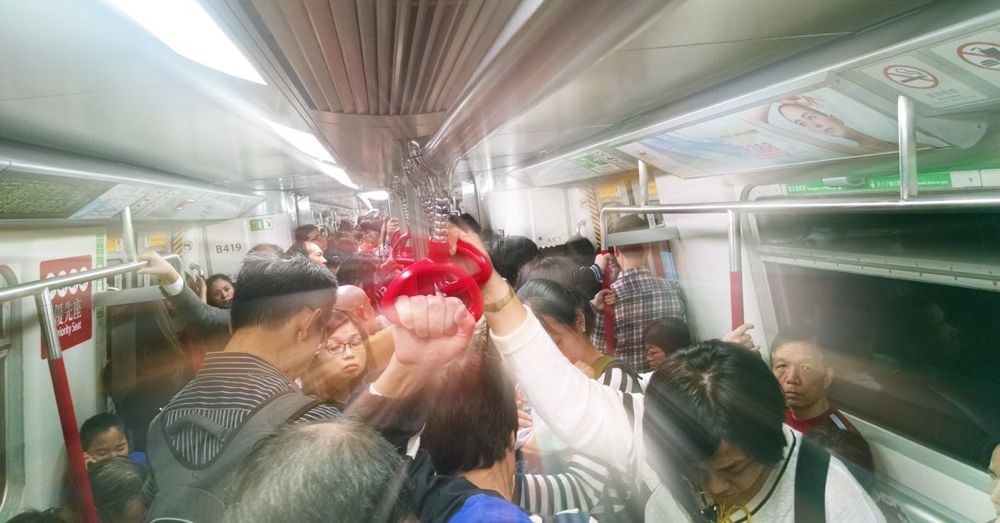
(643, 184)
(34, 288)
(128, 235)
(735, 270)
(907, 148)
(64, 404)
(609, 313)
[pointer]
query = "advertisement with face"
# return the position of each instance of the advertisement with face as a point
(821, 124)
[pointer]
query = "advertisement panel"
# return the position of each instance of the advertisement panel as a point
(821, 124)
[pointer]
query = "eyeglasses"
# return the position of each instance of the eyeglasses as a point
(339, 350)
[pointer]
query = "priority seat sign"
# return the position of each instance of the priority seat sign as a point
(73, 305)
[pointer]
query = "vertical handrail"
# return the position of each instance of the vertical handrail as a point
(64, 403)
(128, 235)
(609, 312)
(128, 243)
(643, 184)
(735, 270)
(906, 117)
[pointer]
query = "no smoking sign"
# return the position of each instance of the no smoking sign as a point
(909, 76)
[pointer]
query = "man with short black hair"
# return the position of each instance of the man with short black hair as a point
(277, 315)
(799, 363)
(310, 251)
(340, 470)
(306, 233)
(637, 298)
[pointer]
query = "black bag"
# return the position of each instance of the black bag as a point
(198, 494)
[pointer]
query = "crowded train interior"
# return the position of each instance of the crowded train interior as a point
(499, 261)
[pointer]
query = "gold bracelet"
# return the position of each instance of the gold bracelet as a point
(497, 306)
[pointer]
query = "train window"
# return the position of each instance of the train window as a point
(970, 237)
(915, 352)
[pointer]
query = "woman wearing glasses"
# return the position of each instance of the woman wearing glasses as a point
(341, 362)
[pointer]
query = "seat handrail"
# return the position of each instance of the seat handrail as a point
(33, 288)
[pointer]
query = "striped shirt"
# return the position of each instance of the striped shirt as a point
(228, 386)
(640, 298)
(582, 485)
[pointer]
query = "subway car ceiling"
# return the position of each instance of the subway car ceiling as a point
(97, 113)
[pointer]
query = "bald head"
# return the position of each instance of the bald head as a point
(353, 300)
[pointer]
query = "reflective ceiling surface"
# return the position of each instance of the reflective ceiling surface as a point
(80, 76)
(364, 75)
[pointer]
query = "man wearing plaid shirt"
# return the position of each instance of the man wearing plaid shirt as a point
(638, 297)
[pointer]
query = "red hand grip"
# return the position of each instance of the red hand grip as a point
(413, 281)
(438, 273)
(481, 261)
(402, 253)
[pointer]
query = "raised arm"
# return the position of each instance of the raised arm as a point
(588, 417)
(204, 317)
(428, 332)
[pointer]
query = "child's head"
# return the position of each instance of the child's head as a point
(104, 437)
(117, 488)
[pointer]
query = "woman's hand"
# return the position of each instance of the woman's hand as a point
(605, 297)
(201, 286)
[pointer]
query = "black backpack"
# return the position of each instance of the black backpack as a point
(199, 494)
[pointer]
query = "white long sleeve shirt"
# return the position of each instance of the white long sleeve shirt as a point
(593, 420)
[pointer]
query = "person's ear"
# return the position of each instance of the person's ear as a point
(828, 379)
(581, 322)
(311, 324)
(366, 311)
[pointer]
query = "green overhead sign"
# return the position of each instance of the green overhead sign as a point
(938, 180)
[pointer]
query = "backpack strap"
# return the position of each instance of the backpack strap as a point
(616, 363)
(171, 470)
(601, 363)
(810, 482)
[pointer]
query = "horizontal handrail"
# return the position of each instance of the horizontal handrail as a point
(784, 206)
(33, 288)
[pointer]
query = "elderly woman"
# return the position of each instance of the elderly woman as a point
(341, 362)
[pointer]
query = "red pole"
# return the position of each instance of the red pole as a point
(736, 297)
(71, 436)
(64, 404)
(609, 313)
(735, 270)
